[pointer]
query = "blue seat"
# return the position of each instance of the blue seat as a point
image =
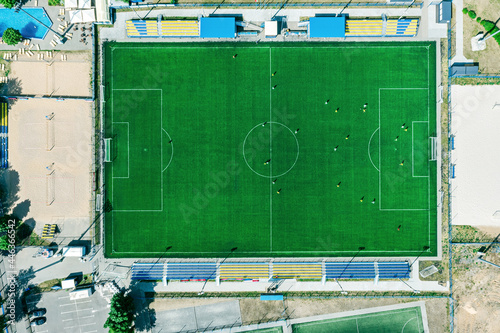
(191, 271)
(145, 271)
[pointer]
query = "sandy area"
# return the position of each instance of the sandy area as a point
(476, 291)
(254, 310)
(29, 76)
(476, 188)
(53, 161)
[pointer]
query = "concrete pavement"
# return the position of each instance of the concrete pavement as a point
(459, 33)
(40, 269)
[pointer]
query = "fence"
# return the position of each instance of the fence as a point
(275, 5)
(452, 317)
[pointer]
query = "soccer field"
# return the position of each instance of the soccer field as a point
(402, 320)
(270, 148)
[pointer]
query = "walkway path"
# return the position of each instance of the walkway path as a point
(293, 285)
(459, 33)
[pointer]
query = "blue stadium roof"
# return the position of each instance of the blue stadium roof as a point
(217, 27)
(325, 26)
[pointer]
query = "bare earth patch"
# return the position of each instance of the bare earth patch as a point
(476, 291)
(488, 59)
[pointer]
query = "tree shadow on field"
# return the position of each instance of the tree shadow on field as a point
(21, 210)
(12, 88)
(9, 188)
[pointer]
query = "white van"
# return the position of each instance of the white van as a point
(73, 251)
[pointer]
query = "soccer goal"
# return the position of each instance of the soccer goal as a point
(107, 150)
(434, 148)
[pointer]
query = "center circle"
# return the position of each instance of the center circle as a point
(271, 149)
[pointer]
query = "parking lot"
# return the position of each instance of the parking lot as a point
(86, 315)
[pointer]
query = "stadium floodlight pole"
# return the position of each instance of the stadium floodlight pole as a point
(414, 290)
(424, 249)
(215, 271)
(161, 256)
(361, 248)
(343, 292)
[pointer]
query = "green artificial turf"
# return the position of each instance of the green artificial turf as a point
(209, 190)
(402, 320)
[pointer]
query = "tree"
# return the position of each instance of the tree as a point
(8, 3)
(121, 313)
(3, 323)
(11, 36)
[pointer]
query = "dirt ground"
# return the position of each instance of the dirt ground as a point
(254, 310)
(476, 291)
(51, 76)
(488, 59)
(50, 163)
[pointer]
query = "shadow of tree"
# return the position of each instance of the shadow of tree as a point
(145, 318)
(9, 188)
(21, 210)
(12, 88)
(25, 290)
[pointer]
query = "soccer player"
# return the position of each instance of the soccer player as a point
(406, 129)
(338, 185)
(235, 56)
(327, 101)
(402, 162)
(403, 126)
(267, 162)
(297, 130)
(264, 123)
(278, 191)
(347, 137)
(335, 149)
(399, 227)
(373, 201)
(273, 74)
(337, 109)
(171, 141)
(361, 200)
(396, 139)
(274, 181)
(275, 86)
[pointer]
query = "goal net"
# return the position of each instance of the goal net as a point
(434, 148)
(107, 150)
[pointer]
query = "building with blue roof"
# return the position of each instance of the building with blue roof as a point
(327, 26)
(217, 27)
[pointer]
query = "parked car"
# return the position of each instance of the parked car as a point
(37, 313)
(38, 321)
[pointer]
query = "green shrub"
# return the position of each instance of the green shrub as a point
(11, 36)
(465, 10)
(55, 3)
(472, 14)
(8, 3)
(491, 28)
(478, 19)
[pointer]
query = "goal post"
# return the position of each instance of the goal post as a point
(434, 148)
(107, 150)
